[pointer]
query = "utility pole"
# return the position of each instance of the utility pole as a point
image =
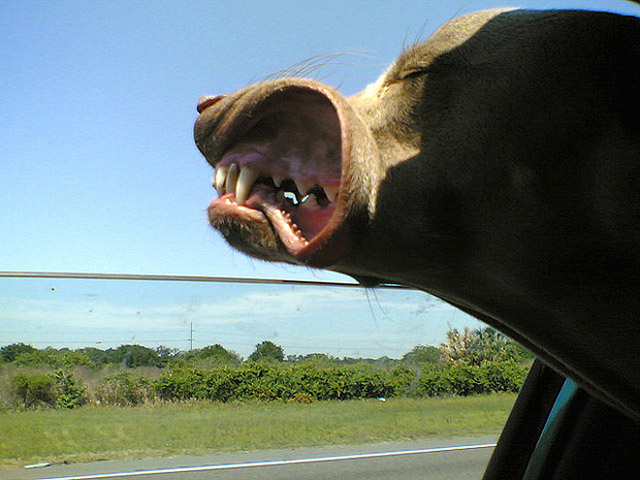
(191, 338)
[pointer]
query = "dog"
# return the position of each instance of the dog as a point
(495, 165)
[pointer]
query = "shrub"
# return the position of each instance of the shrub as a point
(272, 381)
(464, 379)
(69, 393)
(33, 389)
(302, 397)
(433, 381)
(124, 389)
(349, 383)
(301, 382)
(180, 384)
(404, 381)
(504, 376)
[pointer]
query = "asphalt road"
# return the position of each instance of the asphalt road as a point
(451, 459)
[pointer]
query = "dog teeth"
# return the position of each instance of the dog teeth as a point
(332, 193)
(304, 187)
(232, 179)
(220, 179)
(246, 179)
(240, 180)
(277, 180)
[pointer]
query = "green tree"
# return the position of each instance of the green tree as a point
(166, 354)
(35, 358)
(489, 345)
(208, 357)
(9, 353)
(267, 351)
(96, 355)
(134, 356)
(66, 358)
(421, 354)
(481, 346)
(459, 346)
(52, 357)
(219, 355)
(318, 359)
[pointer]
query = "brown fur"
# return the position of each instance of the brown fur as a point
(497, 166)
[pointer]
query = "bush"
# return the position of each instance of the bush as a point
(37, 389)
(33, 389)
(464, 379)
(69, 393)
(404, 381)
(504, 376)
(433, 381)
(179, 384)
(124, 389)
(301, 382)
(272, 382)
(301, 397)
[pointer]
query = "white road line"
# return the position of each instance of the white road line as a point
(271, 463)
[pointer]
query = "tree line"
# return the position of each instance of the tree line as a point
(474, 347)
(469, 362)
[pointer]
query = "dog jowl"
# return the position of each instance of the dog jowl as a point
(496, 165)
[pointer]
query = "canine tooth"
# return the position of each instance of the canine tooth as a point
(246, 179)
(232, 179)
(300, 191)
(277, 180)
(220, 178)
(304, 187)
(332, 193)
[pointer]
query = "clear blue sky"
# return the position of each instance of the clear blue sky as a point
(99, 172)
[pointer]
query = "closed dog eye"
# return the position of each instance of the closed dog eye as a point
(414, 73)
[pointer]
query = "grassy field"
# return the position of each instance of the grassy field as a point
(97, 433)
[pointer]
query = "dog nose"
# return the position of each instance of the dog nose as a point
(208, 100)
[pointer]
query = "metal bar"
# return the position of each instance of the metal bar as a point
(188, 278)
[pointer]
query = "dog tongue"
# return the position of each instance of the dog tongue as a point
(312, 220)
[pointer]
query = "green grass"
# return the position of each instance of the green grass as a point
(97, 433)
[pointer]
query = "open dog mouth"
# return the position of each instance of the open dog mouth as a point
(284, 164)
